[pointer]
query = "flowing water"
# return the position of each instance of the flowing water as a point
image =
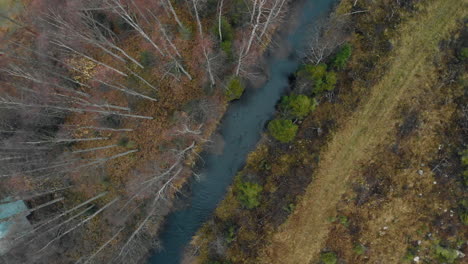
(241, 128)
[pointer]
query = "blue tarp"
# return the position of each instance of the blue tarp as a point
(7, 210)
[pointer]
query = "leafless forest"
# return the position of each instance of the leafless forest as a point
(104, 106)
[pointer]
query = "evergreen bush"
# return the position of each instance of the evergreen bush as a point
(341, 58)
(322, 79)
(235, 89)
(299, 106)
(249, 194)
(328, 258)
(282, 130)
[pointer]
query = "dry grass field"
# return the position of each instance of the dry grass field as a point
(410, 74)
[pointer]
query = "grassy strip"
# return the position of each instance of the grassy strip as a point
(302, 237)
(409, 202)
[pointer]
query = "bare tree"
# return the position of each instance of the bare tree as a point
(27, 212)
(205, 53)
(93, 37)
(90, 258)
(171, 8)
(262, 16)
(9, 103)
(53, 219)
(119, 8)
(325, 37)
(77, 71)
(78, 224)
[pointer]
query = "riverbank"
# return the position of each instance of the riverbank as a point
(266, 233)
(240, 130)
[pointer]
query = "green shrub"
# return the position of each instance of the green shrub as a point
(313, 72)
(343, 220)
(123, 141)
(328, 83)
(464, 157)
(230, 234)
(464, 53)
(411, 252)
(447, 255)
(342, 57)
(238, 13)
(226, 46)
(186, 33)
(463, 211)
(282, 130)
(235, 89)
(409, 256)
(359, 249)
(264, 165)
(464, 217)
(126, 143)
(322, 79)
(464, 163)
(328, 258)
(226, 30)
(299, 106)
(289, 208)
(227, 35)
(249, 194)
(147, 59)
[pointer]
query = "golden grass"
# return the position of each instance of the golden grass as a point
(302, 237)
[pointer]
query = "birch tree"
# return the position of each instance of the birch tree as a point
(263, 14)
(205, 53)
(220, 15)
(119, 9)
(78, 225)
(325, 37)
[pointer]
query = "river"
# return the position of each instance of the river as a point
(241, 129)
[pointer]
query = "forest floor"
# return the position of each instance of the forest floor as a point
(410, 76)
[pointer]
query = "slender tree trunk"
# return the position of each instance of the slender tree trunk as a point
(103, 246)
(59, 225)
(158, 196)
(200, 29)
(142, 79)
(106, 128)
(220, 15)
(171, 8)
(48, 221)
(79, 224)
(19, 198)
(68, 48)
(93, 149)
(29, 211)
(65, 140)
(77, 110)
(125, 90)
(104, 160)
(122, 12)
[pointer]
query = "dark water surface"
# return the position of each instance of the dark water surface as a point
(241, 128)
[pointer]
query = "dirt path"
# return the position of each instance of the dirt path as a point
(302, 237)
